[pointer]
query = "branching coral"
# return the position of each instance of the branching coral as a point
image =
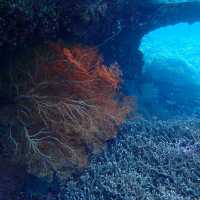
(66, 108)
(148, 161)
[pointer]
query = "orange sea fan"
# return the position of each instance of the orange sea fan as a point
(71, 107)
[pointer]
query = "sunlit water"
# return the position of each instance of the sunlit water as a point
(171, 73)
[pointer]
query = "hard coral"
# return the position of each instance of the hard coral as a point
(146, 161)
(67, 108)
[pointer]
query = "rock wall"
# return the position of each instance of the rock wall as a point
(115, 27)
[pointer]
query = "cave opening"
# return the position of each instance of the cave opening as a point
(170, 84)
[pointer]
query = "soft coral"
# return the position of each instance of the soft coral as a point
(67, 108)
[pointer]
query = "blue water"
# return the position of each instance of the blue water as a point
(177, 43)
(171, 73)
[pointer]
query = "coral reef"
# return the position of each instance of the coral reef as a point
(157, 160)
(60, 106)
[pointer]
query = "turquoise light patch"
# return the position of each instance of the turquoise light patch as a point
(175, 48)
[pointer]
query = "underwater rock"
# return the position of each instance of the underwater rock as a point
(11, 181)
(40, 188)
(121, 24)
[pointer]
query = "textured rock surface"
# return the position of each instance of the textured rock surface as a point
(11, 181)
(122, 24)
